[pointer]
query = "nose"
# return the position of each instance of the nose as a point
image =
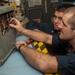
(56, 19)
(60, 26)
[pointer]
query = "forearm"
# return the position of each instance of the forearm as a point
(39, 60)
(35, 35)
(38, 35)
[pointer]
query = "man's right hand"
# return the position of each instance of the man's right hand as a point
(14, 23)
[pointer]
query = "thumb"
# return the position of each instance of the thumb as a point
(13, 26)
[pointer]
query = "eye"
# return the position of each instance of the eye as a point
(60, 18)
(55, 16)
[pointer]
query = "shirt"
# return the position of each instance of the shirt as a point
(58, 46)
(66, 64)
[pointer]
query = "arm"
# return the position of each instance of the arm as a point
(43, 62)
(36, 35)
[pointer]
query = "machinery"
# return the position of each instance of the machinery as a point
(40, 10)
(7, 34)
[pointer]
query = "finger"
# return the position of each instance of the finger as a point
(18, 43)
(12, 19)
(11, 25)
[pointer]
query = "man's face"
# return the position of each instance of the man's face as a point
(57, 20)
(66, 32)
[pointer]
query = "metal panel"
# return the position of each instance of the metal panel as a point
(6, 9)
(7, 35)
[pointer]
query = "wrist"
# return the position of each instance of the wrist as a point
(20, 29)
(20, 46)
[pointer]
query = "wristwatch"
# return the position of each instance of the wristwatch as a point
(20, 46)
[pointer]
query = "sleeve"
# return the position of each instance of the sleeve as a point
(57, 42)
(60, 44)
(66, 64)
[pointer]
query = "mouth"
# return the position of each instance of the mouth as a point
(60, 32)
(55, 25)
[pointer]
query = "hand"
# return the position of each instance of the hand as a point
(18, 43)
(14, 23)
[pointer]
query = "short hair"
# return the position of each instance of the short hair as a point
(61, 8)
(71, 20)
